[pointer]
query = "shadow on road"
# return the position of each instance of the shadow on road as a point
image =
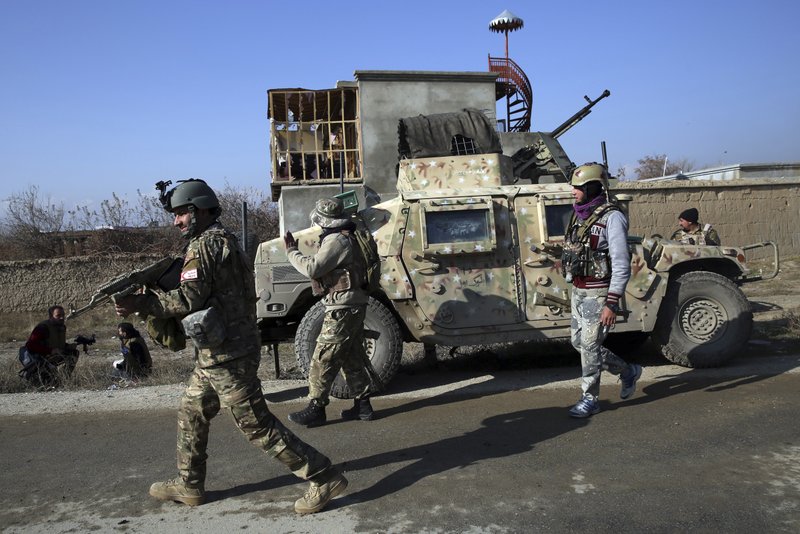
(708, 380)
(498, 436)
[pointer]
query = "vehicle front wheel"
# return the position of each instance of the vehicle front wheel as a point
(383, 343)
(704, 320)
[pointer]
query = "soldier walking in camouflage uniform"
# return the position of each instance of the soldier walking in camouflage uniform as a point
(597, 261)
(339, 274)
(216, 299)
(691, 232)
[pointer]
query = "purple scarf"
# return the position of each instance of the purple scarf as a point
(584, 210)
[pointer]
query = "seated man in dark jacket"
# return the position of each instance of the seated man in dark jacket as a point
(136, 362)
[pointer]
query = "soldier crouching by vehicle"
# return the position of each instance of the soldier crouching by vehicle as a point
(597, 262)
(47, 349)
(217, 304)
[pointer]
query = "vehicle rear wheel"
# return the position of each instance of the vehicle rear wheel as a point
(383, 343)
(704, 320)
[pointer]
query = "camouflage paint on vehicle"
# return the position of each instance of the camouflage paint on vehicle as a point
(468, 254)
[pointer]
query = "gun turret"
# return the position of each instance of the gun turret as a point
(579, 116)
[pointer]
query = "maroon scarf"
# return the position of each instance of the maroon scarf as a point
(584, 210)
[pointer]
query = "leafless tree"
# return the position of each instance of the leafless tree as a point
(31, 220)
(262, 213)
(34, 224)
(660, 165)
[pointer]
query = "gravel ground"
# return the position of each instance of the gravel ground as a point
(772, 302)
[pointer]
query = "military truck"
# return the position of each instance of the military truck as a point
(470, 248)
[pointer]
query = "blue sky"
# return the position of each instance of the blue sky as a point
(111, 96)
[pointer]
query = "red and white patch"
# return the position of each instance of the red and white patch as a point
(191, 274)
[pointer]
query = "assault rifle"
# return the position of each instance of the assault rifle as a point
(163, 274)
(85, 341)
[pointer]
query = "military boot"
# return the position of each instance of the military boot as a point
(362, 409)
(313, 415)
(177, 490)
(319, 494)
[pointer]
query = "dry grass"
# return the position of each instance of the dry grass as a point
(93, 370)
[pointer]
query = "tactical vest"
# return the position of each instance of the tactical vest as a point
(578, 258)
(348, 276)
(234, 296)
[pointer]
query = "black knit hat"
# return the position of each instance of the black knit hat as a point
(690, 215)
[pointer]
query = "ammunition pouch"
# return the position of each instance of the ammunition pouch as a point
(583, 261)
(336, 280)
(167, 332)
(205, 328)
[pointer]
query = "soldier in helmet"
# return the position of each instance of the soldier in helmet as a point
(217, 287)
(338, 273)
(691, 232)
(597, 262)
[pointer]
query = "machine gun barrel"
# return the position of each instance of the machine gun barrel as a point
(579, 116)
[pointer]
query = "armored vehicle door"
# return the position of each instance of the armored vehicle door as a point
(461, 261)
(542, 220)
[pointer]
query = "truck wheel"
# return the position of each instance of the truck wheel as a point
(704, 320)
(384, 352)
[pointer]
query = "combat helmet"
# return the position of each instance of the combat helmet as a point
(590, 172)
(329, 213)
(191, 192)
(194, 193)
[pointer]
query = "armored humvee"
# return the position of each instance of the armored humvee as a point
(469, 251)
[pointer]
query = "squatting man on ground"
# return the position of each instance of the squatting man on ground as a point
(216, 302)
(46, 354)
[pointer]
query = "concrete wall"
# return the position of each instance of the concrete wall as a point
(385, 97)
(742, 211)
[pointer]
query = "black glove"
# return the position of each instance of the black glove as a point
(289, 241)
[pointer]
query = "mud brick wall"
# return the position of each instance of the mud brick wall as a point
(742, 211)
(35, 285)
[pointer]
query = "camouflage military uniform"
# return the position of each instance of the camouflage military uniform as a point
(217, 273)
(339, 267)
(702, 235)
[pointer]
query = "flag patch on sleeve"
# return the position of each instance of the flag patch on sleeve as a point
(190, 274)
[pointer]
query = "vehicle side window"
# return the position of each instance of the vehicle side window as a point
(557, 217)
(458, 226)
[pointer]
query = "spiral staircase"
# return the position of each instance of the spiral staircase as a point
(513, 85)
